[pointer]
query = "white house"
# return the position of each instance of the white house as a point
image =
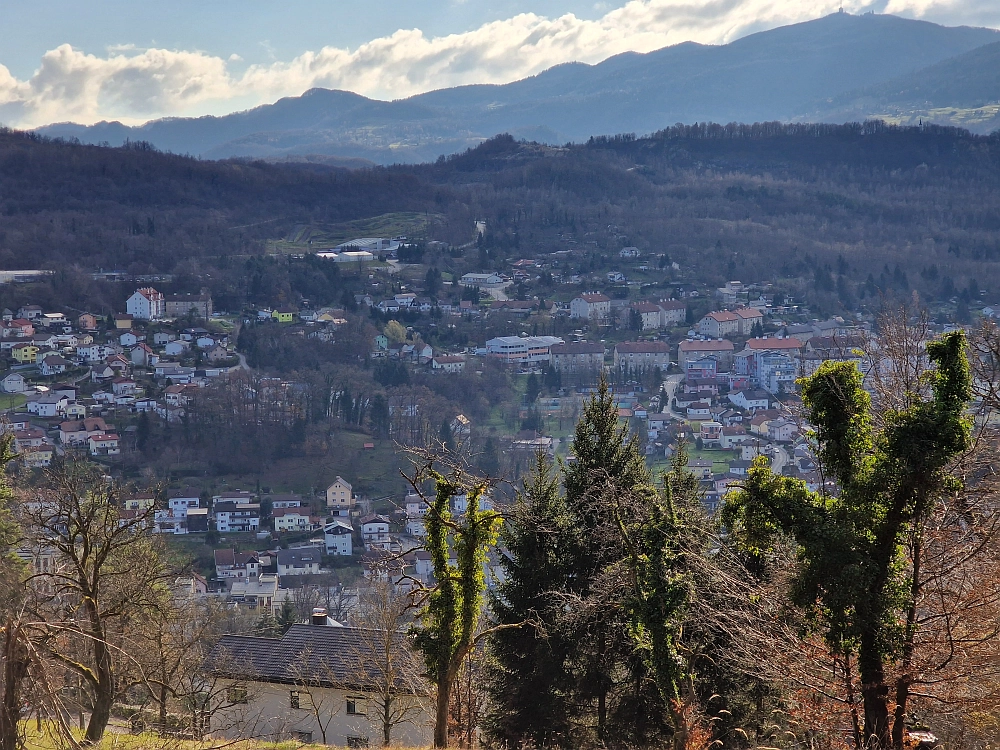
(375, 530)
(128, 339)
(590, 307)
(261, 676)
(13, 383)
(146, 304)
(338, 537)
(299, 562)
(750, 400)
(481, 279)
(292, 519)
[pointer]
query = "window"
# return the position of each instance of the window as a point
(357, 707)
(293, 698)
(237, 695)
(357, 742)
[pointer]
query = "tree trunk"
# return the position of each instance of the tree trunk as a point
(441, 714)
(15, 670)
(905, 678)
(386, 720)
(104, 693)
(874, 695)
(163, 707)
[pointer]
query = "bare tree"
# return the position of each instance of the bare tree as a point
(104, 578)
(394, 668)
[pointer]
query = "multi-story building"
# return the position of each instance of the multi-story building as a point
(650, 315)
(720, 350)
(179, 305)
(591, 306)
(672, 312)
(232, 564)
(233, 517)
(719, 324)
(642, 355)
(338, 497)
(146, 304)
(577, 358)
(522, 348)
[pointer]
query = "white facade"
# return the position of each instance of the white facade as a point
(145, 304)
(590, 307)
(338, 536)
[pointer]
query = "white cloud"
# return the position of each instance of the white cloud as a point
(72, 85)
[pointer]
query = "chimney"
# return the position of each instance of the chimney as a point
(319, 616)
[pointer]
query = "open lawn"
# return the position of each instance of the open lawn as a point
(120, 740)
(407, 223)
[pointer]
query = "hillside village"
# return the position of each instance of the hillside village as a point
(722, 384)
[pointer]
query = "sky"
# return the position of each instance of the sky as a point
(136, 60)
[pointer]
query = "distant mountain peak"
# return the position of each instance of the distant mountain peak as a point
(776, 74)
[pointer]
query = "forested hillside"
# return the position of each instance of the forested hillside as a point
(841, 214)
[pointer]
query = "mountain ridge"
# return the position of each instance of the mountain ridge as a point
(788, 73)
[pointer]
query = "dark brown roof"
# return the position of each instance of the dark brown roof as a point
(577, 347)
(642, 347)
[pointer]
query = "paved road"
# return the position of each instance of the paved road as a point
(670, 385)
(780, 458)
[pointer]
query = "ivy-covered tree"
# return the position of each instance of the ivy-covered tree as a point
(854, 578)
(449, 620)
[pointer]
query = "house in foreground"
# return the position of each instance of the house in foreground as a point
(277, 687)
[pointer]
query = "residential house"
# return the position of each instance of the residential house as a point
(710, 433)
(176, 348)
(123, 387)
(721, 350)
(285, 501)
(146, 304)
(87, 322)
(53, 364)
(285, 314)
(702, 370)
(197, 520)
(375, 530)
(672, 313)
(591, 306)
(749, 317)
(514, 306)
(782, 430)
(123, 322)
(699, 410)
(37, 456)
(648, 314)
(732, 437)
(103, 445)
(338, 536)
(29, 312)
(28, 437)
(701, 469)
(339, 498)
(293, 519)
(637, 356)
(143, 356)
(139, 501)
(751, 400)
(24, 354)
(719, 324)
(230, 564)
(233, 517)
(300, 561)
(48, 405)
(261, 675)
(77, 432)
(261, 593)
(217, 354)
(448, 363)
(183, 501)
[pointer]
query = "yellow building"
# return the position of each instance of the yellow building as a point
(285, 314)
(24, 353)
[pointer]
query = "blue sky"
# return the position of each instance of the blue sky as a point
(138, 60)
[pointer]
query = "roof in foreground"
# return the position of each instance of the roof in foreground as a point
(311, 654)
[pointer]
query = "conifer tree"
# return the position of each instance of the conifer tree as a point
(528, 675)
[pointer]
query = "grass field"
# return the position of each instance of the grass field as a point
(408, 223)
(113, 740)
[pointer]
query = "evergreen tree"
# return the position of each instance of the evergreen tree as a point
(609, 469)
(528, 679)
